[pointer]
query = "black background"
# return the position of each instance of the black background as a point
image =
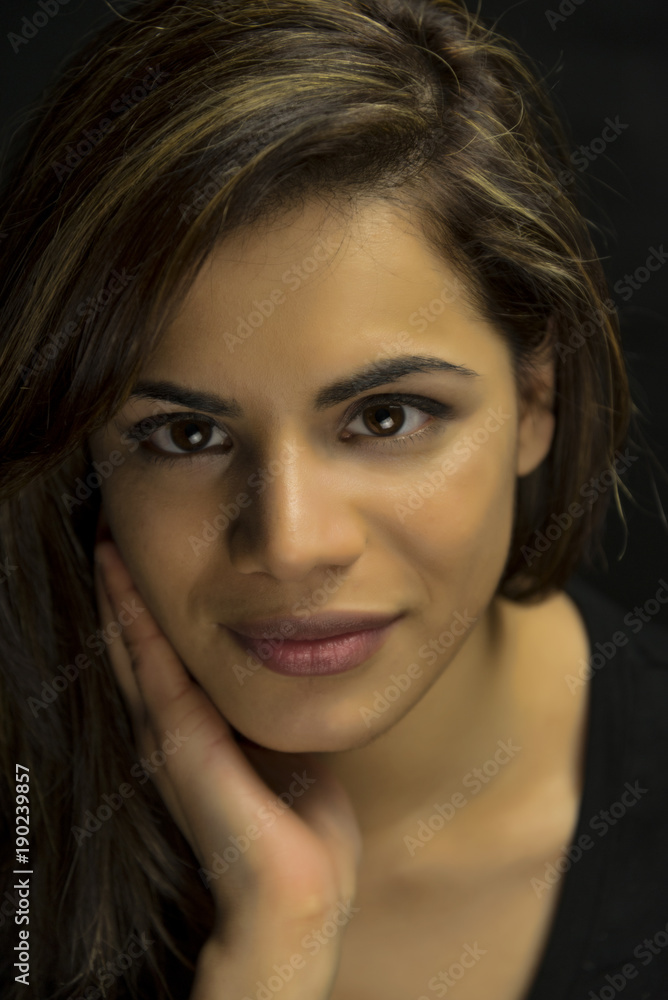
(600, 60)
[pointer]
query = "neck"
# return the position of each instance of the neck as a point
(455, 727)
(497, 724)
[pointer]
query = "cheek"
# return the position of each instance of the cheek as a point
(462, 506)
(152, 535)
(455, 513)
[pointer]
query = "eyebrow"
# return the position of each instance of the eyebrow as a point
(372, 376)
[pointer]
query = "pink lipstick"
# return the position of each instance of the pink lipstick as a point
(326, 644)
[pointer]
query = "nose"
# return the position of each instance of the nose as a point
(303, 518)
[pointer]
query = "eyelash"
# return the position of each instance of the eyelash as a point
(440, 411)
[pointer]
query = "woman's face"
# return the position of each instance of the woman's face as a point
(312, 490)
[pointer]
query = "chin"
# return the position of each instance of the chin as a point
(304, 742)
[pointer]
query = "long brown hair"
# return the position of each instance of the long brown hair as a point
(178, 125)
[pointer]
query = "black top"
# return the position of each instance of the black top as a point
(609, 935)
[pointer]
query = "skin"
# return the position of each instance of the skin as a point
(331, 504)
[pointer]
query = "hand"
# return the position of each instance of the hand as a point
(300, 865)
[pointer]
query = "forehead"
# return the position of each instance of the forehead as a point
(315, 293)
(315, 252)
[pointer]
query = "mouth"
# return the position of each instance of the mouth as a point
(327, 654)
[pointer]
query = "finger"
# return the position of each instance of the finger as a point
(118, 655)
(167, 693)
(157, 672)
(172, 702)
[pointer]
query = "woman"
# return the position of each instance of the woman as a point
(304, 339)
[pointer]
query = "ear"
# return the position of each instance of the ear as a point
(537, 421)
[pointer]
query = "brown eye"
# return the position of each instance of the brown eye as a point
(186, 437)
(384, 419)
(190, 435)
(387, 419)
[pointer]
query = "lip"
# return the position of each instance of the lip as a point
(322, 626)
(326, 655)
